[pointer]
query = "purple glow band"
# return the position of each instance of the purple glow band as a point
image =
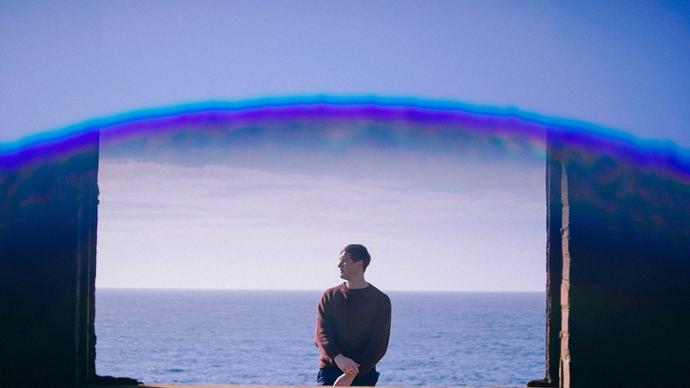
(467, 120)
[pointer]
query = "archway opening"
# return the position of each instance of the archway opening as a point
(251, 213)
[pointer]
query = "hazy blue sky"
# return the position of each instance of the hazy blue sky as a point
(623, 65)
(620, 64)
(432, 221)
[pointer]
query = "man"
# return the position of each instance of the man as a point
(353, 323)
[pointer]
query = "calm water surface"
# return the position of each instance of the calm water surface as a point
(267, 337)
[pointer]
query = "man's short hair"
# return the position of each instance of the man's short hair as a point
(358, 252)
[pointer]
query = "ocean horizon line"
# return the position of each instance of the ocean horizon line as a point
(312, 290)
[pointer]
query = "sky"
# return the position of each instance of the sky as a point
(613, 64)
(270, 216)
(617, 65)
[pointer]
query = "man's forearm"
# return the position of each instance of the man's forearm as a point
(344, 380)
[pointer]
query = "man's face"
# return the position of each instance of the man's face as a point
(348, 268)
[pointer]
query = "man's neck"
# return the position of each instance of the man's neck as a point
(357, 283)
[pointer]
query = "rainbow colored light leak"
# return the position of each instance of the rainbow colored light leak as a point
(397, 121)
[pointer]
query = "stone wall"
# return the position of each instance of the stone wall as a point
(625, 289)
(47, 248)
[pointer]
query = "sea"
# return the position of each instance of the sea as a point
(267, 337)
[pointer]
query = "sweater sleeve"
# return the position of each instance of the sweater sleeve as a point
(325, 332)
(378, 343)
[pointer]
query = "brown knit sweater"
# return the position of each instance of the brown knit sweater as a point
(355, 323)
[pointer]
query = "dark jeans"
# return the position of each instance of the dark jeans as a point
(327, 376)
